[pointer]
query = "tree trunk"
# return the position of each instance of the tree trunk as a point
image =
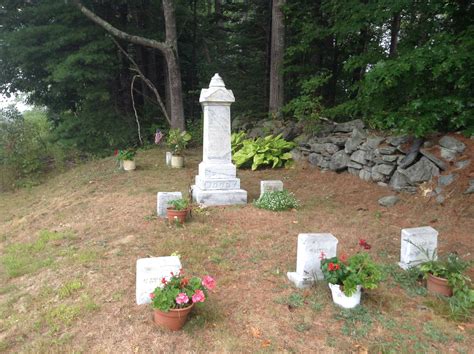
(394, 30)
(277, 52)
(169, 49)
(174, 71)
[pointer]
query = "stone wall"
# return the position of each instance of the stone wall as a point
(399, 162)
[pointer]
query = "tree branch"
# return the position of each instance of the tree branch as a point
(135, 110)
(163, 47)
(145, 80)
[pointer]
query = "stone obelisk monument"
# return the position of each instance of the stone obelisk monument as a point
(216, 183)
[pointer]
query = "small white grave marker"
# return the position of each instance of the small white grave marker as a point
(308, 261)
(162, 201)
(270, 186)
(168, 158)
(150, 271)
(414, 243)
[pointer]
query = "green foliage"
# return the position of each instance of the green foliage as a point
(27, 147)
(269, 151)
(237, 141)
(179, 204)
(127, 154)
(277, 201)
(359, 269)
(177, 141)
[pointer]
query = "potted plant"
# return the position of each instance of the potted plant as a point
(127, 158)
(178, 210)
(177, 141)
(346, 276)
(175, 298)
(446, 275)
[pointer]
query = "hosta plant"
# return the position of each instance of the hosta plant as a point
(270, 151)
(277, 201)
(348, 272)
(180, 291)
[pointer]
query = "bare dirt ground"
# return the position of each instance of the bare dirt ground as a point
(69, 246)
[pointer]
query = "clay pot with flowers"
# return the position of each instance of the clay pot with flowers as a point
(176, 297)
(347, 276)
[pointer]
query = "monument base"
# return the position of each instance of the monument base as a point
(219, 197)
(300, 281)
(406, 266)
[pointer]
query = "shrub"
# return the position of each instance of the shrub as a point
(277, 201)
(269, 151)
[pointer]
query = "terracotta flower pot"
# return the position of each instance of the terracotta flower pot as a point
(179, 215)
(438, 285)
(174, 319)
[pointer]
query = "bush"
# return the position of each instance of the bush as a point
(26, 147)
(269, 151)
(277, 201)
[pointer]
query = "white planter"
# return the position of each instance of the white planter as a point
(177, 161)
(129, 165)
(340, 299)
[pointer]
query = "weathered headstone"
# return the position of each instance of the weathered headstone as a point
(162, 201)
(270, 186)
(216, 183)
(311, 249)
(418, 245)
(150, 271)
(169, 155)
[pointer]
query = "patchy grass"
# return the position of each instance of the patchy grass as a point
(72, 288)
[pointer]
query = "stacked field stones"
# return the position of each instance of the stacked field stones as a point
(396, 161)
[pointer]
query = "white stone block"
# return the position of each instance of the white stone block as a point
(270, 186)
(162, 201)
(308, 258)
(219, 197)
(169, 155)
(217, 183)
(150, 271)
(417, 246)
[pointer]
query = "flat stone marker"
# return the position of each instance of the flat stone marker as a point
(270, 186)
(150, 271)
(162, 201)
(413, 241)
(216, 183)
(308, 258)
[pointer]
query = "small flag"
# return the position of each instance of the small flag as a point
(158, 136)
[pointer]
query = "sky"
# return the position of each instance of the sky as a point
(20, 104)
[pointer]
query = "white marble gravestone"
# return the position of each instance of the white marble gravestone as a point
(162, 201)
(308, 258)
(216, 183)
(168, 158)
(150, 271)
(270, 186)
(418, 245)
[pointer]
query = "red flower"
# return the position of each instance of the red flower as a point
(163, 280)
(333, 266)
(184, 282)
(322, 255)
(367, 246)
(115, 152)
(343, 258)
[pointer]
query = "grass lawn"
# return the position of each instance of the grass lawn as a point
(68, 250)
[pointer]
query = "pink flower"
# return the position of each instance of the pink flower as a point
(322, 255)
(182, 298)
(199, 296)
(152, 295)
(209, 282)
